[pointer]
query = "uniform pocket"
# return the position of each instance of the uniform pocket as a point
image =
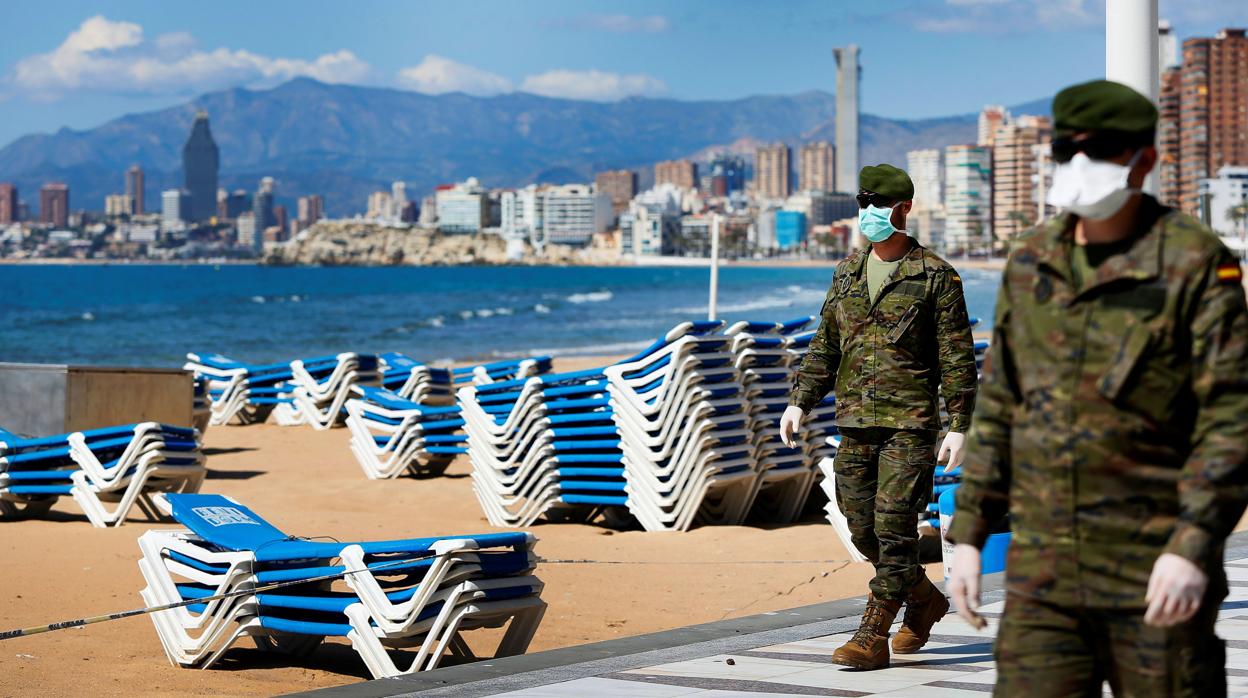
(1138, 382)
(903, 325)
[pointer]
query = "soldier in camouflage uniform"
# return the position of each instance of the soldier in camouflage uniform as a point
(894, 336)
(1112, 427)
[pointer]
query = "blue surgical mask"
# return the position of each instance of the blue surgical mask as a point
(876, 223)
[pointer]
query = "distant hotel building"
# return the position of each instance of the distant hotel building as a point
(652, 223)
(989, 119)
(619, 185)
(262, 205)
(134, 189)
(8, 203)
(232, 205)
(681, 173)
(771, 171)
(116, 205)
(54, 204)
(569, 214)
(247, 234)
(174, 209)
(311, 210)
(200, 164)
(818, 167)
(968, 198)
(927, 219)
(790, 229)
(725, 175)
(1224, 201)
(463, 207)
(1014, 171)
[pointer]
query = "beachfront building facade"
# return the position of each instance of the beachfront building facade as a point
(771, 171)
(822, 207)
(817, 166)
(1224, 207)
(463, 207)
(926, 222)
(570, 214)
(968, 198)
(679, 173)
(790, 229)
(116, 205)
(246, 233)
(725, 175)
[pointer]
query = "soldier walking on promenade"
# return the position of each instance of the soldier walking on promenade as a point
(1112, 427)
(893, 337)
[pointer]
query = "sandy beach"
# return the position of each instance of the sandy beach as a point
(306, 483)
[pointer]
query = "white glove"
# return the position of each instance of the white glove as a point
(789, 422)
(953, 448)
(1175, 590)
(963, 583)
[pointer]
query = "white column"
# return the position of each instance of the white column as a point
(1131, 50)
(712, 309)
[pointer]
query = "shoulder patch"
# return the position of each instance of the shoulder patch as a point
(1230, 273)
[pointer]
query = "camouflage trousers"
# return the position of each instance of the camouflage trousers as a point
(883, 480)
(1044, 650)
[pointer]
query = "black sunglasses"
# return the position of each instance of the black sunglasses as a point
(866, 198)
(1102, 145)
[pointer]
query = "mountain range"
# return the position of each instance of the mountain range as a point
(344, 141)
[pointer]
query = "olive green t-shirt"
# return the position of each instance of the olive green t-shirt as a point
(1085, 259)
(878, 272)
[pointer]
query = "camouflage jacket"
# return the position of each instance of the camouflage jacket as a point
(1112, 422)
(889, 360)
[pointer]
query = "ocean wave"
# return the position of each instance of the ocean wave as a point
(436, 321)
(590, 297)
(541, 309)
(794, 296)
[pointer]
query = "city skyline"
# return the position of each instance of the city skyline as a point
(85, 66)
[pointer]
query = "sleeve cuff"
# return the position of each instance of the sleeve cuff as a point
(967, 529)
(960, 423)
(1193, 543)
(804, 400)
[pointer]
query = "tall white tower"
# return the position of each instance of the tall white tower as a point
(848, 76)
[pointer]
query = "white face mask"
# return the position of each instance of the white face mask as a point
(1092, 189)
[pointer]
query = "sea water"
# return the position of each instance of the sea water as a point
(152, 315)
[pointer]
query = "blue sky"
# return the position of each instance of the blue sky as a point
(78, 64)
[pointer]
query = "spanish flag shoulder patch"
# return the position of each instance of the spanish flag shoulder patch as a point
(1230, 273)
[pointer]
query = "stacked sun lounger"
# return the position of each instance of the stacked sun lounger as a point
(418, 594)
(685, 428)
(411, 424)
(430, 385)
(201, 405)
(105, 471)
(392, 435)
(318, 389)
(242, 392)
(544, 446)
(766, 361)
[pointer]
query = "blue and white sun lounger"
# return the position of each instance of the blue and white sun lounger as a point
(391, 435)
(119, 466)
(416, 593)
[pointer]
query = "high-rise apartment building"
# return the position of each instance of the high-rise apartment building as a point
(311, 210)
(817, 167)
(682, 173)
(134, 189)
(1014, 205)
(927, 171)
(989, 119)
(175, 207)
(1169, 148)
(771, 171)
(262, 205)
(1213, 119)
(54, 204)
(1167, 47)
(620, 185)
(200, 164)
(848, 79)
(8, 203)
(1223, 201)
(118, 205)
(926, 221)
(725, 175)
(968, 198)
(569, 214)
(279, 220)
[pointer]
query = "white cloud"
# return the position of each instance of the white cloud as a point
(592, 84)
(437, 74)
(111, 56)
(619, 24)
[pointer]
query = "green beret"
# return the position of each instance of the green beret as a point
(1102, 105)
(886, 180)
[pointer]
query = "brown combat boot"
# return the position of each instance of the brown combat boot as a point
(868, 648)
(924, 607)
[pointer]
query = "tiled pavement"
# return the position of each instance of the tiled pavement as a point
(779, 654)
